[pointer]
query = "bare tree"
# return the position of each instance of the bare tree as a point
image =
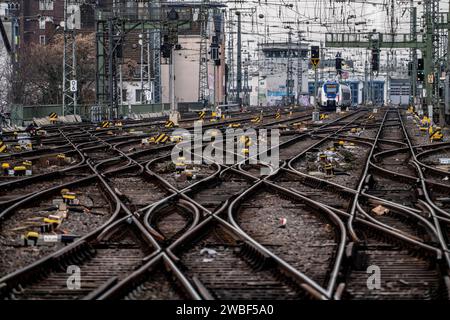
(38, 75)
(5, 77)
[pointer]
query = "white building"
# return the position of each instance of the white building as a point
(186, 61)
(274, 60)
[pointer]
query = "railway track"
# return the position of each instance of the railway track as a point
(104, 261)
(231, 232)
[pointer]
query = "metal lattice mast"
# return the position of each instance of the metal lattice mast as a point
(299, 68)
(230, 57)
(390, 53)
(436, 51)
(203, 61)
(430, 50)
(155, 10)
(413, 53)
(290, 73)
(69, 64)
(145, 61)
(239, 59)
(447, 77)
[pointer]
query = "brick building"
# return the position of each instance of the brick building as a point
(38, 21)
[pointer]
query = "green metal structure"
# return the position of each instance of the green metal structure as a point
(114, 24)
(428, 43)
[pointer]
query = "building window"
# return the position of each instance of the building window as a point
(42, 21)
(46, 5)
(124, 95)
(42, 40)
(139, 95)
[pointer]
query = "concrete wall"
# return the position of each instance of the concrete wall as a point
(20, 114)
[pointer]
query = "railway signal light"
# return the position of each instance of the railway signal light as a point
(166, 48)
(315, 56)
(420, 76)
(375, 60)
(215, 52)
(315, 52)
(420, 64)
(420, 70)
(339, 63)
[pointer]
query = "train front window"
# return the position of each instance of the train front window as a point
(331, 88)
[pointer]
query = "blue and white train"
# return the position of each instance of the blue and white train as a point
(334, 94)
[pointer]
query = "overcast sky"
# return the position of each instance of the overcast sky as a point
(317, 17)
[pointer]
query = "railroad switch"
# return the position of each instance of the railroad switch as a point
(20, 171)
(162, 138)
(29, 167)
(258, 119)
(69, 197)
(329, 170)
(169, 124)
(36, 238)
(3, 147)
(5, 168)
(278, 115)
(436, 134)
(27, 163)
(423, 129)
(235, 125)
(61, 159)
(31, 236)
(323, 158)
(324, 117)
(105, 125)
(190, 175)
(426, 122)
(176, 139)
(201, 115)
(180, 166)
(50, 224)
(147, 141)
